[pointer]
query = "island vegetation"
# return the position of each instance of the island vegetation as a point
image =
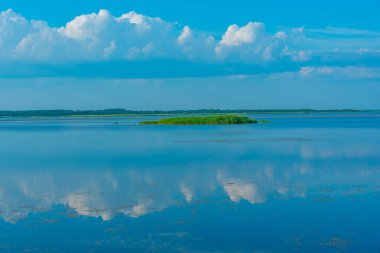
(209, 120)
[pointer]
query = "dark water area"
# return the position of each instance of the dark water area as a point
(303, 183)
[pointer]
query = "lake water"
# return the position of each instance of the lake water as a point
(299, 184)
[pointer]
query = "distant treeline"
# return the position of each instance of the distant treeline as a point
(70, 113)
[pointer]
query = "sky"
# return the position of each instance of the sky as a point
(164, 55)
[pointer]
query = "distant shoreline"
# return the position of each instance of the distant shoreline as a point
(126, 113)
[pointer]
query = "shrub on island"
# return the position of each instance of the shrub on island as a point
(209, 120)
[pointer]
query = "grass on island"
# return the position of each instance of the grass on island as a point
(210, 120)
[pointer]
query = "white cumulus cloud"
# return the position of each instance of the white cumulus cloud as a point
(132, 36)
(251, 43)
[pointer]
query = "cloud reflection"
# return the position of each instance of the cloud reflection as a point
(137, 192)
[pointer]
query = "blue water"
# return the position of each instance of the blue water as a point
(300, 184)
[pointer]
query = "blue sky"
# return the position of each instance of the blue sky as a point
(212, 15)
(147, 54)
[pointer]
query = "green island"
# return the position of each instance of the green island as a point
(209, 120)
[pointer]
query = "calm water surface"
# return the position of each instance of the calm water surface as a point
(299, 184)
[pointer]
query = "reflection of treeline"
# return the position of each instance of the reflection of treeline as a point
(62, 113)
